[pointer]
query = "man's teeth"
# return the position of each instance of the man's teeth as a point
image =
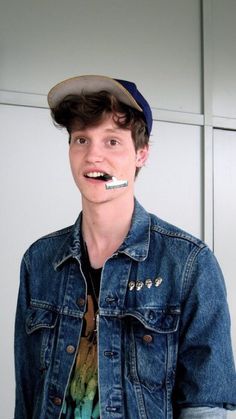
(95, 174)
(98, 175)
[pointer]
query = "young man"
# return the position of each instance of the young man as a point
(121, 315)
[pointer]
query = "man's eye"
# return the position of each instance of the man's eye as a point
(80, 140)
(113, 142)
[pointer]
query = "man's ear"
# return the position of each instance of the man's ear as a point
(142, 156)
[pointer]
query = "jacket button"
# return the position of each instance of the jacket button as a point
(81, 302)
(70, 349)
(57, 401)
(147, 338)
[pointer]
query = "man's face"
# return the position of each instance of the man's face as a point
(105, 149)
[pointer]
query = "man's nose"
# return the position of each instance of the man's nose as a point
(94, 153)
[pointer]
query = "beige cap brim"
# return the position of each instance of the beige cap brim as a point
(90, 84)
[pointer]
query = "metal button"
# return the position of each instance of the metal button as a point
(57, 401)
(147, 338)
(158, 281)
(81, 302)
(148, 283)
(70, 349)
(139, 285)
(131, 285)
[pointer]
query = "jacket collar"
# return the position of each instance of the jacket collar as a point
(135, 245)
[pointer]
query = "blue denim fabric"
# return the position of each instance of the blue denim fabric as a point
(203, 412)
(164, 350)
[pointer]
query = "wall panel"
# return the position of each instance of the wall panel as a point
(224, 58)
(225, 211)
(171, 184)
(155, 43)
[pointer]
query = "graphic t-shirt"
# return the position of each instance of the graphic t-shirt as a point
(82, 394)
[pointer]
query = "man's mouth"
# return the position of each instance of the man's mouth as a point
(98, 175)
(111, 182)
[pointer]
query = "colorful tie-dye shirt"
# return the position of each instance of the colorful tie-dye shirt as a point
(82, 394)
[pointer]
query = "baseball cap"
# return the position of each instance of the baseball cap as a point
(125, 91)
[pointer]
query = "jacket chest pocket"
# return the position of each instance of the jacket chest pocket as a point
(40, 325)
(151, 345)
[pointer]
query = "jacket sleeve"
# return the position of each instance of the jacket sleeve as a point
(203, 413)
(23, 408)
(205, 375)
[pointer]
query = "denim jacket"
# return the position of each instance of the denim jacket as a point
(163, 326)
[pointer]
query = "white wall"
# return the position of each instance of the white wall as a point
(225, 209)
(43, 42)
(182, 55)
(224, 80)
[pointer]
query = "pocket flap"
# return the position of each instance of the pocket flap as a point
(164, 320)
(38, 318)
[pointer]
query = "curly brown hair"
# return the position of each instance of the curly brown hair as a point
(89, 110)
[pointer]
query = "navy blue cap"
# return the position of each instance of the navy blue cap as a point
(138, 97)
(125, 91)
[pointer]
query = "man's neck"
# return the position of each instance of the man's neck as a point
(105, 227)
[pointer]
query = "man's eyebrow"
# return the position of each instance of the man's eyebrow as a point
(113, 129)
(117, 129)
(106, 130)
